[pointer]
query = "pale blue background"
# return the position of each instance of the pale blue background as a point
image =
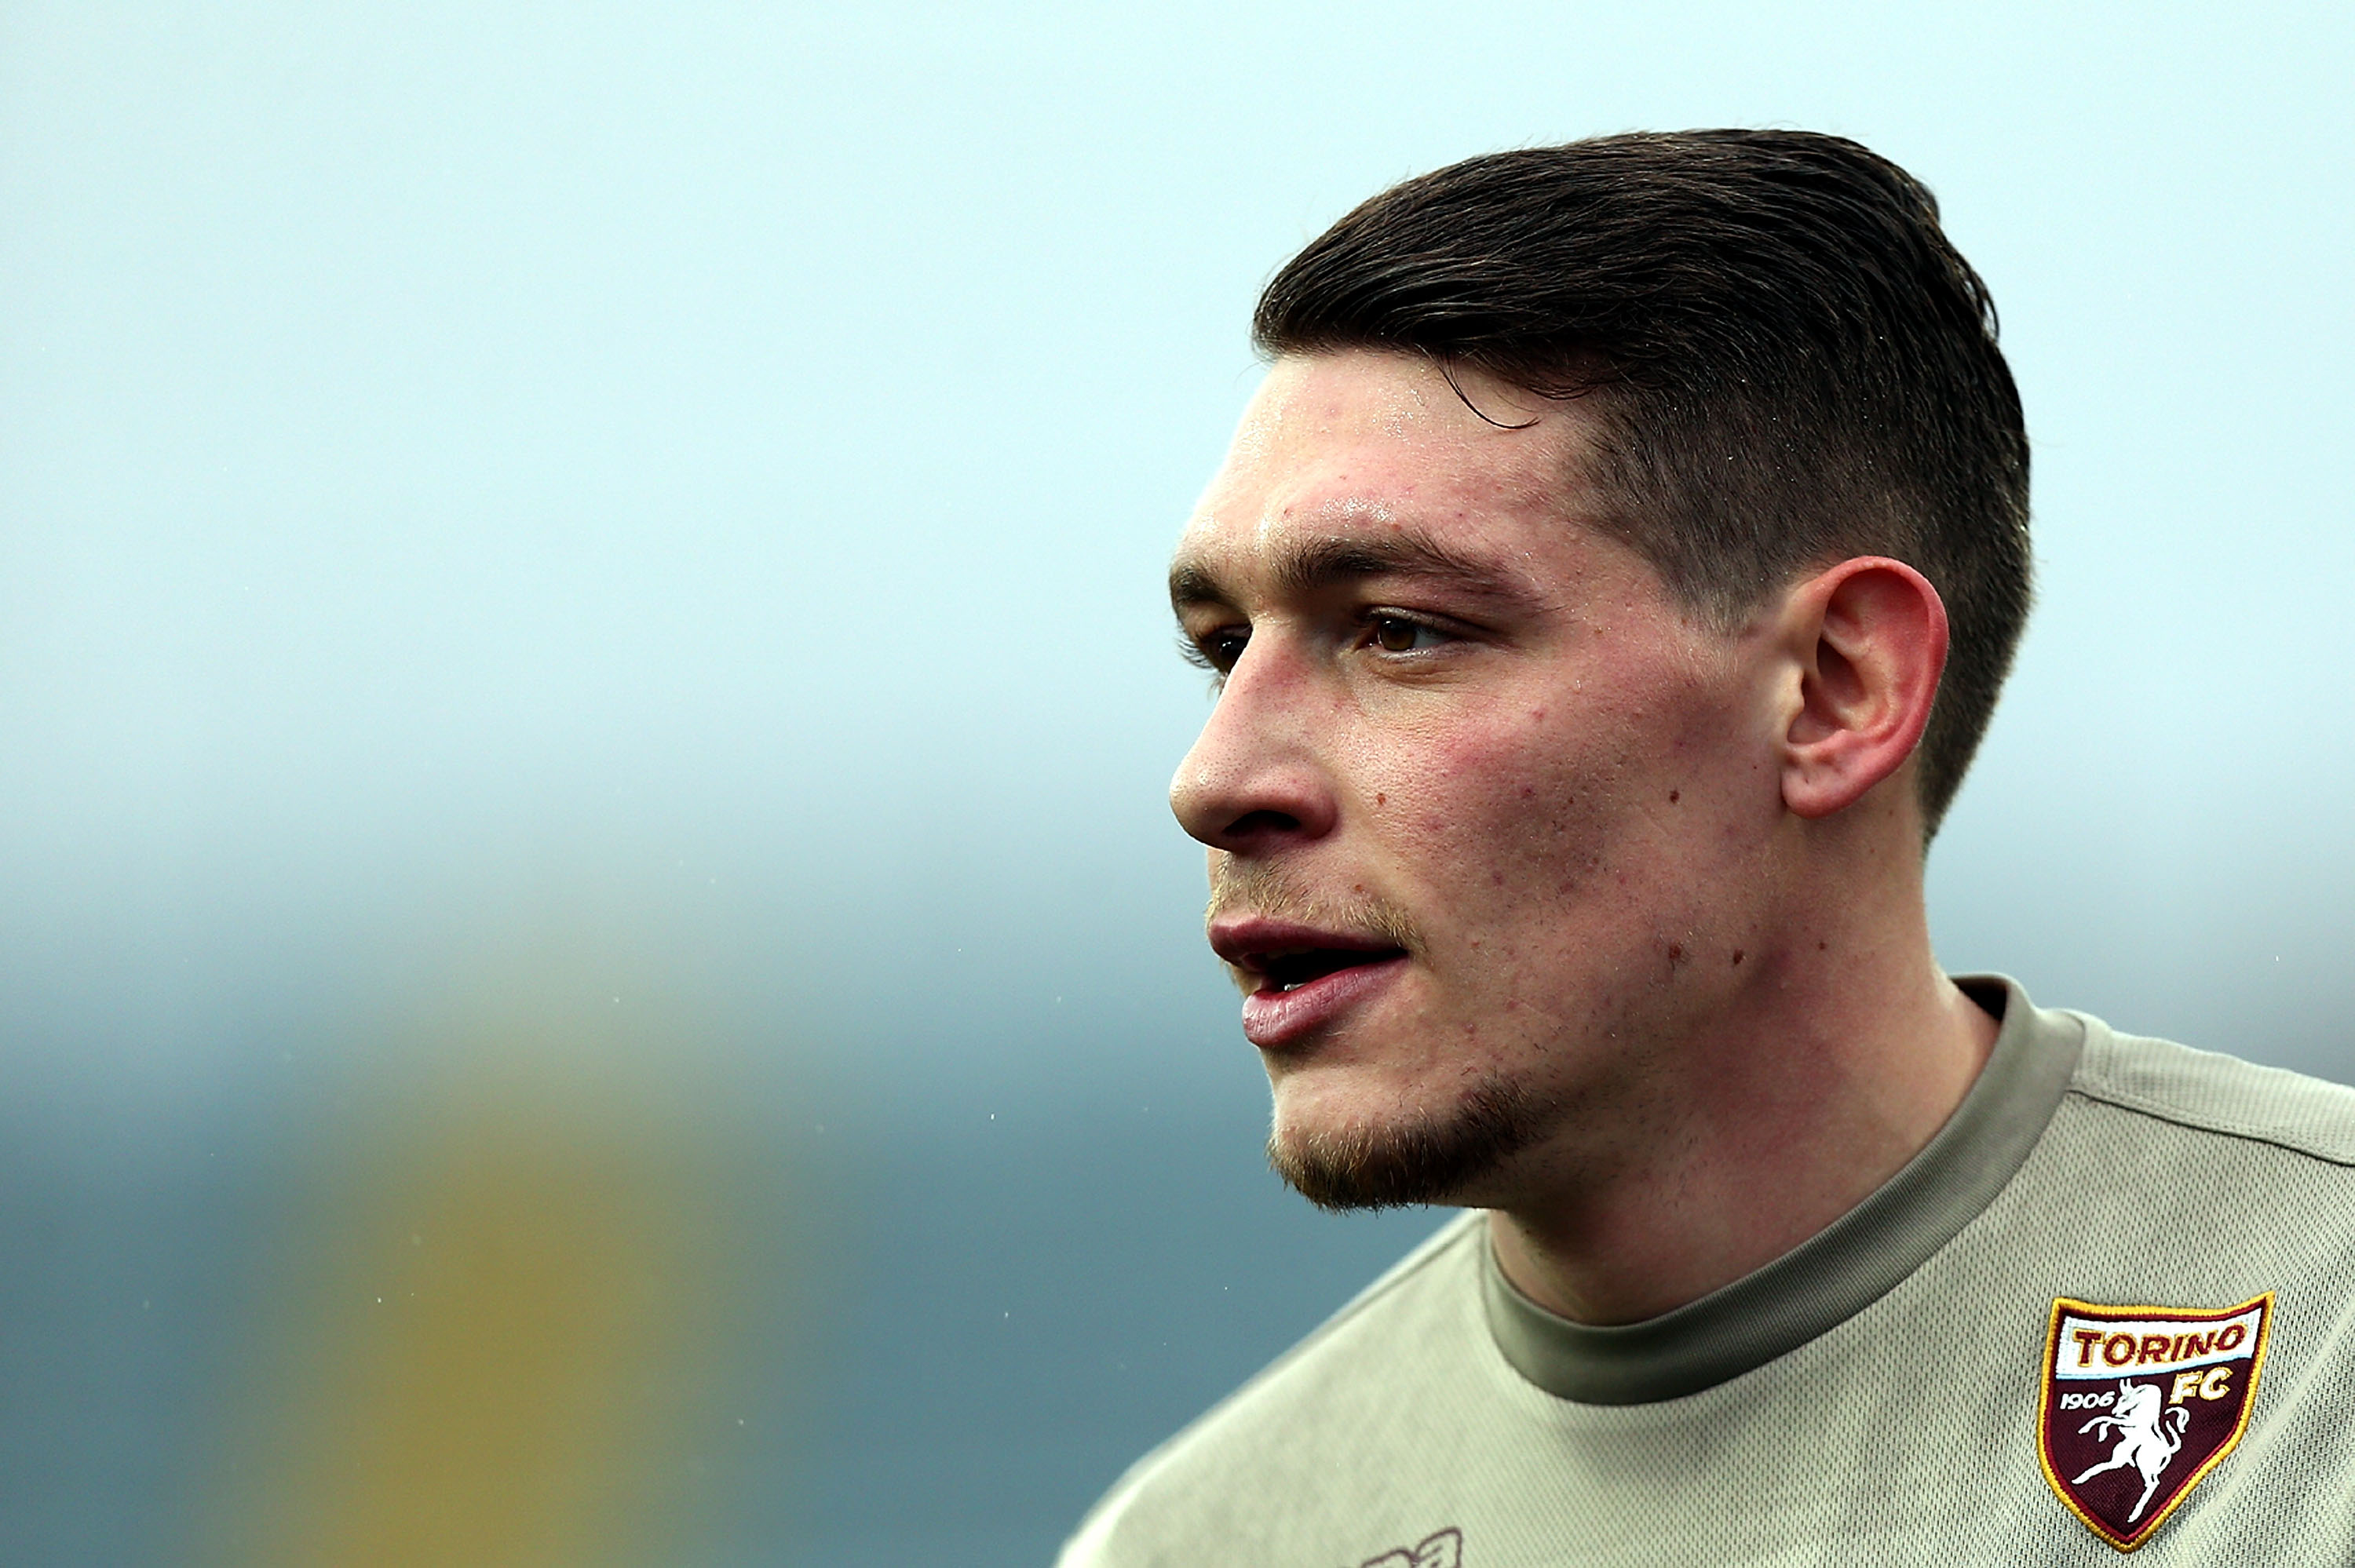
(700, 474)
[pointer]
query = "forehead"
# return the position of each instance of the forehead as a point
(1363, 443)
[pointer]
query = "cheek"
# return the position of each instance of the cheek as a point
(1517, 809)
(1570, 806)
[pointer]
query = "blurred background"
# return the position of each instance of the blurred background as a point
(592, 964)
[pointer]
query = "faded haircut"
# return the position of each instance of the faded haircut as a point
(1789, 364)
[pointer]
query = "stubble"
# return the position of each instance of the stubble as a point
(1428, 1156)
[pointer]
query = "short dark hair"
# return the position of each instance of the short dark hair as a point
(1790, 363)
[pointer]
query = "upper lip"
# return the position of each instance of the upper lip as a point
(1253, 943)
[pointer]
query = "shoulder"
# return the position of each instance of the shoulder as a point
(2203, 1092)
(1241, 1453)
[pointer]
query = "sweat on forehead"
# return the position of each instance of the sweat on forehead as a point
(1395, 463)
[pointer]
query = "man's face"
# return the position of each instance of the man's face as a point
(1488, 812)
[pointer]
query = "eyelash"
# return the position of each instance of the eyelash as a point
(1198, 652)
(1375, 619)
(1195, 653)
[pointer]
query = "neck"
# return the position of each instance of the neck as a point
(1760, 1124)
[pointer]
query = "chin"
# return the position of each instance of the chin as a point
(1427, 1155)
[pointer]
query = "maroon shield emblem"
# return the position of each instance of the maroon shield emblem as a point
(2140, 1403)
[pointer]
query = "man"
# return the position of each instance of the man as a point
(1607, 589)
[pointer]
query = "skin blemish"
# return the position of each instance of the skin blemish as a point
(1528, 790)
(1673, 795)
(1737, 955)
(1676, 954)
(1381, 799)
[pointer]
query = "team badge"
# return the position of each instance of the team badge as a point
(2140, 1403)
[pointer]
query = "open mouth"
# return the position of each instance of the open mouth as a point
(1301, 982)
(1281, 972)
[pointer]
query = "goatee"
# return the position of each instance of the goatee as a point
(1433, 1159)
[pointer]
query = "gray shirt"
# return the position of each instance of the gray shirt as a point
(1964, 1367)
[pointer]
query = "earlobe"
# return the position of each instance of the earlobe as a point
(1868, 637)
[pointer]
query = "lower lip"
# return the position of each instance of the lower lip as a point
(1275, 1019)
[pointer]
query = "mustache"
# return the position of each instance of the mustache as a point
(1258, 888)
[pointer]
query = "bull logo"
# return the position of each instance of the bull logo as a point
(2141, 1403)
(1440, 1549)
(2148, 1438)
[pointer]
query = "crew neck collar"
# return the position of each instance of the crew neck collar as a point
(1835, 1273)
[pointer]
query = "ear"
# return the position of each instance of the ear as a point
(1869, 639)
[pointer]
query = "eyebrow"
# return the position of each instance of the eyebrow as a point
(1307, 565)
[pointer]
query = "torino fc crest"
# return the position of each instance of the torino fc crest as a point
(2140, 1403)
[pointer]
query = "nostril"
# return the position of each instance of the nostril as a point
(1261, 825)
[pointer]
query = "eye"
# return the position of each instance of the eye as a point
(1214, 651)
(1397, 634)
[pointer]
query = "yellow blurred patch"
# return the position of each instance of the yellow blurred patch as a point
(529, 1318)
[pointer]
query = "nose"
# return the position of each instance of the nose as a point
(1253, 781)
